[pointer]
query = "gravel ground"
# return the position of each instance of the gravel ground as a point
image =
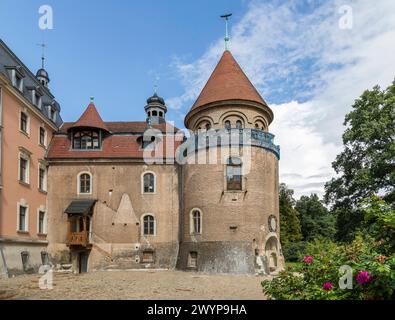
(135, 285)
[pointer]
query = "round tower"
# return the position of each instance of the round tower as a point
(230, 211)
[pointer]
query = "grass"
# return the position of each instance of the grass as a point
(293, 264)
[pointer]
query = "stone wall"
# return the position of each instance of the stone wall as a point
(116, 233)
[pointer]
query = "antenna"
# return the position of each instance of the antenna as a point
(226, 17)
(43, 47)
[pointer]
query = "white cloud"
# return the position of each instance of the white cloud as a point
(313, 70)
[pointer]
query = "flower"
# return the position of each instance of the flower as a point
(327, 286)
(308, 259)
(381, 259)
(363, 277)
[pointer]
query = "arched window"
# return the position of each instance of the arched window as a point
(154, 113)
(233, 174)
(228, 125)
(196, 219)
(239, 125)
(86, 140)
(149, 225)
(149, 183)
(84, 183)
(160, 114)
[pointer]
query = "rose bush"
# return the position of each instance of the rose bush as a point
(318, 276)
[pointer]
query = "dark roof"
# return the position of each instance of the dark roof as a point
(228, 82)
(80, 207)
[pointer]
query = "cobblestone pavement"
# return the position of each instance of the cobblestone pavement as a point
(139, 285)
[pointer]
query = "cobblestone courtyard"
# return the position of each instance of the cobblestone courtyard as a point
(139, 285)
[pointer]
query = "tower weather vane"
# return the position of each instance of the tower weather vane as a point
(43, 47)
(226, 17)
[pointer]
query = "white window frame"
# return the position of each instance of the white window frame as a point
(26, 157)
(142, 225)
(79, 183)
(25, 111)
(42, 166)
(45, 136)
(20, 204)
(42, 209)
(142, 182)
(191, 221)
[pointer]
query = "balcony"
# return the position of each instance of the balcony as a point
(78, 239)
(232, 137)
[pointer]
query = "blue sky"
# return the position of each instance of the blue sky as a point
(113, 50)
(310, 59)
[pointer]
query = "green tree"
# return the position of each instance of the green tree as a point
(366, 167)
(315, 219)
(290, 225)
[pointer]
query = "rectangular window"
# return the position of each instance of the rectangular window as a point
(37, 100)
(234, 174)
(52, 114)
(23, 167)
(41, 179)
(41, 222)
(23, 124)
(148, 256)
(42, 136)
(19, 83)
(192, 260)
(22, 218)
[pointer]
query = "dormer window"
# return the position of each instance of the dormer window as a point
(19, 82)
(147, 142)
(87, 140)
(37, 100)
(52, 113)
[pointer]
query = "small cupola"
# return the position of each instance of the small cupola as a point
(156, 109)
(42, 74)
(42, 77)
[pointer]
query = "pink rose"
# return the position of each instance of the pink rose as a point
(363, 277)
(308, 259)
(327, 286)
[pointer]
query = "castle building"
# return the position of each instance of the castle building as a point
(127, 195)
(29, 115)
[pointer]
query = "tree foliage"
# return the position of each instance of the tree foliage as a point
(290, 225)
(316, 221)
(366, 167)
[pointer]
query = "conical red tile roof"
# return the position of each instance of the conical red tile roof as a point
(90, 119)
(228, 82)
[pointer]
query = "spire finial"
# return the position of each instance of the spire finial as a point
(43, 47)
(226, 17)
(92, 98)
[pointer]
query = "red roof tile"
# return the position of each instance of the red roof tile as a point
(90, 119)
(113, 146)
(127, 127)
(227, 82)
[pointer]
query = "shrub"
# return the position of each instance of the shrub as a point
(318, 276)
(293, 251)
